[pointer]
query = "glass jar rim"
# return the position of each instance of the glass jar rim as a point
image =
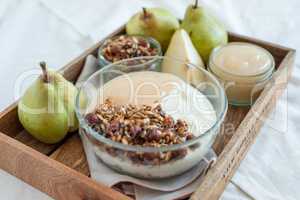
(216, 50)
(122, 146)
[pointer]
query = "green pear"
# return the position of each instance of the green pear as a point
(205, 31)
(47, 108)
(155, 22)
(180, 53)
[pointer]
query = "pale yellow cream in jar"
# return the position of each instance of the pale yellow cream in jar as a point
(244, 69)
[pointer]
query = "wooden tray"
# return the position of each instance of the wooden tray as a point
(61, 170)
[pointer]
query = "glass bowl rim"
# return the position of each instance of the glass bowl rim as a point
(137, 148)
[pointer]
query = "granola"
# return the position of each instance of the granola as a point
(124, 47)
(147, 126)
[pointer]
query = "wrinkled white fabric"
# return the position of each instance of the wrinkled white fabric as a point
(57, 31)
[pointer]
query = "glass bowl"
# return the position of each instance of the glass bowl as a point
(103, 62)
(151, 162)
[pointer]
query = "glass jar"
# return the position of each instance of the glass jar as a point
(244, 69)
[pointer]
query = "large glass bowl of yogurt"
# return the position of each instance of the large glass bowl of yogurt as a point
(147, 123)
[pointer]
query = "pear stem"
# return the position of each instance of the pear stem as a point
(145, 12)
(45, 72)
(196, 4)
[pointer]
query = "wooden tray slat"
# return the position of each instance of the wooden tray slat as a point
(234, 117)
(71, 154)
(9, 123)
(28, 140)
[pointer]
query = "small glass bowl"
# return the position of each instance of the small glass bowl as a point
(242, 90)
(103, 62)
(126, 159)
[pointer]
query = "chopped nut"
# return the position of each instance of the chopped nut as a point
(119, 138)
(124, 140)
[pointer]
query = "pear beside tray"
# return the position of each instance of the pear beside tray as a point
(61, 170)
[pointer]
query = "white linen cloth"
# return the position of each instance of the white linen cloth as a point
(167, 189)
(57, 31)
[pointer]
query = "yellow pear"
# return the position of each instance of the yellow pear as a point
(47, 109)
(205, 30)
(183, 59)
(158, 23)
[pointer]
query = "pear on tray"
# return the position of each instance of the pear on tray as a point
(47, 109)
(154, 22)
(205, 30)
(181, 48)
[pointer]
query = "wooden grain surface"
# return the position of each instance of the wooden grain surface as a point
(59, 180)
(9, 122)
(234, 117)
(71, 154)
(25, 138)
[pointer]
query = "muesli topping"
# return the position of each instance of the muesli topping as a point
(140, 125)
(124, 47)
(133, 125)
